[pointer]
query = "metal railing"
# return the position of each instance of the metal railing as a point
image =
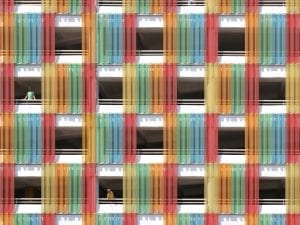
(107, 101)
(179, 2)
(148, 151)
(36, 201)
(231, 53)
(69, 52)
(272, 102)
(180, 201)
(66, 151)
(28, 102)
(224, 151)
(269, 201)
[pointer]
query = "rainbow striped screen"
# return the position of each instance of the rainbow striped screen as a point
(190, 39)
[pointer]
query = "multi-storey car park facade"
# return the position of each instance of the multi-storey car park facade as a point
(188, 110)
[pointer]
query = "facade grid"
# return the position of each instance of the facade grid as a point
(235, 122)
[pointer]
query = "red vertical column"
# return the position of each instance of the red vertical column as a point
(48, 32)
(252, 88)
(170, 88)
(49, 123)
(89, 86)
(292, 38)
(129, 41)
(211, 38)
(7, 207)
(130, 142)
(7, 73)
(211, 138)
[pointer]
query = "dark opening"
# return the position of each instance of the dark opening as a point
(231, 141)
(149, 39)
(190, 90)
(271, 90)
(150, 138)
(110, 91)
(190, 187)
(28, 187)
(68, 138)
(271, 188)
(22, 86)
(231, 39)
(68, 39)
(115, 184)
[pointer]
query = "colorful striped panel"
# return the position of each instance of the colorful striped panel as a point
(110, 219)
(28, 219)
(232, 89)
(109, 144)
(292, 90)
(190, 38)
(232, 6)
(272, 143)
(269, 219)
(272, 43)
(28, 138)
(69, 89)
(292, 194)
(109, 33)
(190, 138)
(149, 84)
(149, 6)
(69, 6)
(68, 187)
(28, 37)
(190, 219)
(232, 188)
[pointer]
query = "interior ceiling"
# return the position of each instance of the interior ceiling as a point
(68, 38)
(149, 38)
(66, 132)
(231, 39)
(190, 88)
(150, 138)
(21, 182)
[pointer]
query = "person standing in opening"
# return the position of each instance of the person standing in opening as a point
(110, 195)
(29, 94)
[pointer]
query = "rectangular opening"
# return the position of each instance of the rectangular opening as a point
(232, 141)
(231, 41)
(190, 190)
(272, 91)
(271, 191)
(190, 90)
(68, 141)
(27, 190)
(115, 184)
(150, 141)
(68, 40)
(110, 91)
(149, 41)
(27, 90)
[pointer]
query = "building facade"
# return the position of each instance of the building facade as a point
(188, 110)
